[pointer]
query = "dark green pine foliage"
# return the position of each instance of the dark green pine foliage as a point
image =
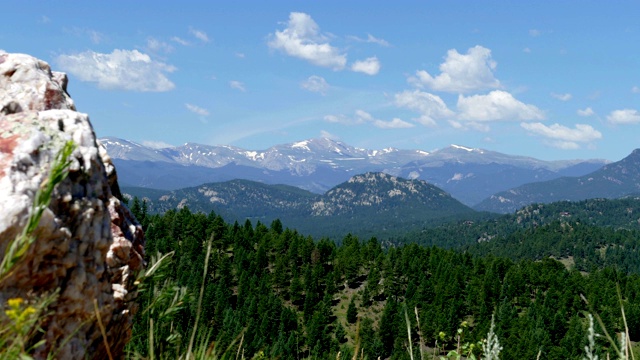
(352, 311)
(281, 292)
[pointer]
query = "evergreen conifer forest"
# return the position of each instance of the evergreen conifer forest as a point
(261, 291)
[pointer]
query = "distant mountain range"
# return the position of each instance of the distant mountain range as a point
(317, 165)
(614, 180)
(370, 204)
(379, 204)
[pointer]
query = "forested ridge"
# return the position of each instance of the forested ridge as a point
(275, 293)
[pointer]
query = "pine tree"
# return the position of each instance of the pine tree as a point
(352, 311)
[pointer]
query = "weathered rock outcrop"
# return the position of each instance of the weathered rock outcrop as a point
(88, 245)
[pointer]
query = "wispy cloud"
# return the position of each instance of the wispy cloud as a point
(237, 85)
(328, 135)
(369, 66)
(197, 110)
(371, 39)
(156, 144)
(119, 70)
(302, 39)
(563, 137)
(535, 32)
(180, 41)
(341, 119)
(199, 34)
(461, 73)
(562, 97)
(157, 46)
(93, 35)
(240, 55)
(315, 84)
(44, 19)
(635, 90)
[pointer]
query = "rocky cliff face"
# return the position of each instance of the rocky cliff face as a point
(87, 244)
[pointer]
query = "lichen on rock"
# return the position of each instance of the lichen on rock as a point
(88, 244)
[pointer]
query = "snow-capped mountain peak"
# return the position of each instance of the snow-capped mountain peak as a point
(320, 163)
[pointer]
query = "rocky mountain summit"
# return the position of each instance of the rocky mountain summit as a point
(86, 245)
(370, 204)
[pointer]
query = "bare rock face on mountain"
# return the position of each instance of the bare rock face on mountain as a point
(87, 245)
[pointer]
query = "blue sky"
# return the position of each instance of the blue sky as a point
(548, 79)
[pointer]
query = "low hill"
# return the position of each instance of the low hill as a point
(371, 204)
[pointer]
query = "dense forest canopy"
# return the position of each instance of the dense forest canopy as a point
(270, 291)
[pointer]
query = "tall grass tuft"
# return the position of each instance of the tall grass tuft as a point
(19, 246)
(590, 348)
(21, 319)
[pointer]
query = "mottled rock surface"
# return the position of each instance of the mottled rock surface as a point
(88, 245)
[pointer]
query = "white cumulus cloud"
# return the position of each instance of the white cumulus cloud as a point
(586, 112)
(564, 137)
(237, 85)
(369, 66)
(121, 69)
(562, 97)
(498, 105)
(624, 116)
(461, 73)
(197, 110)
(315, 84)
(302, 39)
(429, 106)
(363, 117)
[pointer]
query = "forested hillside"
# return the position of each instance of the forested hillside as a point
(371, 204)
(612, 181)
(275, 293)
(615, 214)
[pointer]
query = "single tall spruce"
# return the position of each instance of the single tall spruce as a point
(352, 311)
